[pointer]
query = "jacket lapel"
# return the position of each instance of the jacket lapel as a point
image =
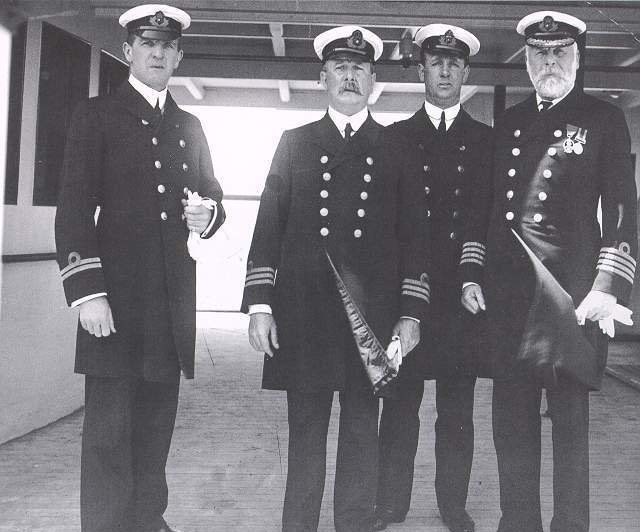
(360, 142)
(135, 103)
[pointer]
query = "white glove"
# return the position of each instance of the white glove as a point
(194, 242)
(620, 314)
(394, 353)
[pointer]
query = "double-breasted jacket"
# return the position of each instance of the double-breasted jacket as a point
(350, 200)
(552, 169)
(453, 172)
(135, 166)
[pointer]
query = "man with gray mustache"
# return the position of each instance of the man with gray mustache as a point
(557, 155)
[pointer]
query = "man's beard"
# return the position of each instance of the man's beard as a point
(553, 84)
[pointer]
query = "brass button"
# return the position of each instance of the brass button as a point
(154, 141)
(326, 176)
(161, 189)
(324, 159)
(324, 231)
(456, 215)
(463, 147)
(357, 233)
(163, 215)
(460, 169)
(537, 217)
(509, 216)
(367, 178)
(515, 152)
(144, 122)
(361, 213)
(516, 133)
(546, 173)
(509, 194)
(324, 194)
(185, 167)
(542, 196)
(427, 191)
(158, 164)
(324, 211)
(182, 143)
(557, 133)
(452, 235)
(370, 161)
(185, 191)
(426, 168)
(428, 213)
(364, 195)
(457, 192)
(552, 151)
(511, 172)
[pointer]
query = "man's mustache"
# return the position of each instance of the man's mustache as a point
(350, 86)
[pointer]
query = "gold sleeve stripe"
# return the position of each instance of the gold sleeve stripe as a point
(77, 269)
(420, 295)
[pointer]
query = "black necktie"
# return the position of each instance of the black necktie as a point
(348, 130)
(157, 111)
(544, 105)
(442, 127)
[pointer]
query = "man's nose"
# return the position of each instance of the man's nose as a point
(445, 71)
(158, 51)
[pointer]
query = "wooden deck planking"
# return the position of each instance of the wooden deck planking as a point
(228, 460)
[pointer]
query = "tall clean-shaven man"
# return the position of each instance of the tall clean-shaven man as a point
(136, 156)
(451, 154)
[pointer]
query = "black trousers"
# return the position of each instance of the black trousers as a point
(356, 462)
(516, 434)
(399, 430)
(128, 424)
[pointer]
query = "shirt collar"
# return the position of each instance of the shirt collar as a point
(151, 95)
(434, 112)
(355, 120)
(553, 102)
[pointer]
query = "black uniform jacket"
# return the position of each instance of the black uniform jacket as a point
(550, 171)
(453, 173)
(353, 201)
(134, 166)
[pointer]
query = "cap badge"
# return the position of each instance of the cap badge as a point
(356, 41)
(159, 20)
(448, 38)
(548, 24)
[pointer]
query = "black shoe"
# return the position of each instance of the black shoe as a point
(384, 517)
(459, 521)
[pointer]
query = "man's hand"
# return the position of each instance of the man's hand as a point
(197, 217)
(96, 317)
(596, 306)
(263, 333)
(409, 332)
(472, 298)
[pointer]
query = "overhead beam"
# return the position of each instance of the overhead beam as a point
(511, 75)
(195, 89)
(277, 40)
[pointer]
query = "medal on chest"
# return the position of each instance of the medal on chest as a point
(576, 140)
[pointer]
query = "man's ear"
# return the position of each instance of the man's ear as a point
(421, 72)
(467, 69)
(127, 51)
(323, 79)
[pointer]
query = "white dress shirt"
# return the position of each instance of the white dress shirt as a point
(435, 113)
(341, 120)
(149, 94)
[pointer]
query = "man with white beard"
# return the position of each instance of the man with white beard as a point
(557, 155)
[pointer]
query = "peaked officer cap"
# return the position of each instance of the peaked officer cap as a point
(447, 38)
(348, 39)
(549, 29)
(155, 21)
